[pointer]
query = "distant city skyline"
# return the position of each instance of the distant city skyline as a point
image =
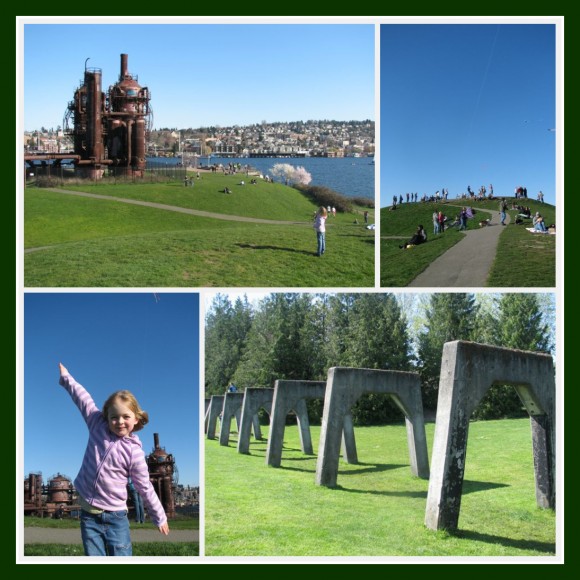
(207, 74)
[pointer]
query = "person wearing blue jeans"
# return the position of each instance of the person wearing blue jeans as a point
(114, 454)
(538, 222)
(137, 502)
(319, 227)
(106, 533)
(502, 211)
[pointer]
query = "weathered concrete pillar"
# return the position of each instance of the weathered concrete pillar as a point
(254, 400)
(468, 370)
(206, 414)
(232, 408)
(215, 408)
(347, 444)
(292, 396)
(344, 387)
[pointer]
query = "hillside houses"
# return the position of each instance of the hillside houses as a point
(288, 139)
(300, 139)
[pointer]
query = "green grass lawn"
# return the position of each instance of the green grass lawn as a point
(522, 259)
(101, 243)
(263, 200)
(139, 548)
(378, 508)
(177, 523)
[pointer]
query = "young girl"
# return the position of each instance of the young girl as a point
(320, 229)
(113, 455)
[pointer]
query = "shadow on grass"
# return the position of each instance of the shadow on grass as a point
(409, 494)
(546, 547)
(292, 250)
(304, 458)
(302, 469)
(474, 486)
(372, 468)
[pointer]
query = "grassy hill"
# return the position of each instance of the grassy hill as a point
(86, 242)
(522, 259)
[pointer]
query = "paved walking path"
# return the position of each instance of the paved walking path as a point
(200, 213)
(217, 216)
(468, 263)
(33, 535)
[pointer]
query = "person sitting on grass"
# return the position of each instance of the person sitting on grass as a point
(420, 237)
(538, 222)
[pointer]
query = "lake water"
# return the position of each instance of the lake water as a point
(350, 176)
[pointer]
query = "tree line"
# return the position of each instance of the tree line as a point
(300, 336)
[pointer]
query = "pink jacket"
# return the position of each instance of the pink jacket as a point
(110, 460)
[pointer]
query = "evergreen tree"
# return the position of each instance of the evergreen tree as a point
(338, 308)
(376, 337)
(315, 335)
(449, 316)
(275, 348)
(520, 324)
(226, 331)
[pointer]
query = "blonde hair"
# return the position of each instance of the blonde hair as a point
(322, 211)
(129, 399)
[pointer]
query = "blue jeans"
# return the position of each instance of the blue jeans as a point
(106, 534)
(138, 502)
(502, 216)
(321, 243)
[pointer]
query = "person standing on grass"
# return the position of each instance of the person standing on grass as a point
(320, 229)
(113, 455)
(441, 220)
(137, 502)
(463, 219)
(435, 218)
(502, 211)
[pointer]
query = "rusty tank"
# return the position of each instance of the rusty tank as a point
(59, 489)
(33, 487)
(161, 474)
(127, 121)
(110, 129)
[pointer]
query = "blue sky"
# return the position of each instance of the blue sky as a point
(207, 74)
(147, 343)
(467, 104)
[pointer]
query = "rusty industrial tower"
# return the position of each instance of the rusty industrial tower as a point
(162, 473)
(109, 130)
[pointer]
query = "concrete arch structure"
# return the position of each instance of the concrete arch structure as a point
(232, 408)
(468, 371)
(344, 387)
(213, 412)
(254, 400)
(291, 396)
